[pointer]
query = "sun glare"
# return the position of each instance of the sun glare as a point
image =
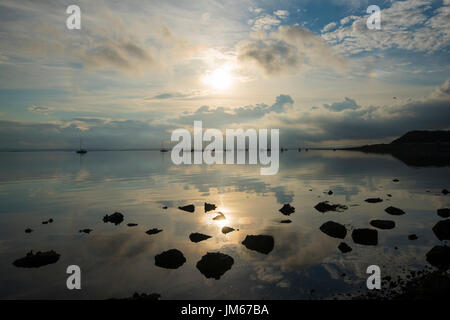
(219, 79)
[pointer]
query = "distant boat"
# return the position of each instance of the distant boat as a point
(162, 149)
(81, 150)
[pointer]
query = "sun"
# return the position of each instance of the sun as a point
(219, 79)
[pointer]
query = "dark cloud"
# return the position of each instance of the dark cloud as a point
(347, 104)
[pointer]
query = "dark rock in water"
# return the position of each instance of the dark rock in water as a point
(334, 229)
(442, 229)
(37, 260)
(50, 220)
(164, 207)
(394, 211)
(197, 237)
(330, 193)
(287, 209)
(226, 230)
(285, 221)
(220, 216)
(261, 243)
(445, 191)
(209, 206)
(444, 213)
(28, 230)
(389, 195)
(439, 257)
(132, 224)
(413, 237)
(368, 237)
(344, 247)
(373, 200)
(85, 230)
(396, 180)
(188, 208)
(44, 222)
(171, 259)
(115, 218)
(383, 224)
(214, 264)
(326, 206)
(153, 231)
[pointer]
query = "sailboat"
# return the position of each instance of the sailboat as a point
(81, 150)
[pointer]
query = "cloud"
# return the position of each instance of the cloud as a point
(409, 25)
(42, 110)
(286, 49)
(347, 104)
(282, 14)
(179, 95)
(329, 26)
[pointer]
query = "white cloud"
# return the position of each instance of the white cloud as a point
(329, 26)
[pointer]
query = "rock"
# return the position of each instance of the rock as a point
(188, 208)
(287, 209)
(153, 231)
(344, 247)
(209, 206)
(164, 207)
(171, 259)
(383, 224)
(326, 206)
(330, 193)
(37, 260)
(413, 237)
(389, 195)
(394, 211)
(373, 200)
(214, 264)
(44, 222)
(442, 229)
(220, 216)
(396, 180)
(85, 230)
(197, 237)
(444, 213)
(445, 191)
(132, 224)
(439, 257)
(115, 218)
(226, 230)
(50, 220)
(28, 230)
(285, 221)
(334, 229)
(261, 243)
(368, 237)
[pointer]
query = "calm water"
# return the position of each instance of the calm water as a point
(118, 260)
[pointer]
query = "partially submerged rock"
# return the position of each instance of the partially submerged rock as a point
(330, 193)
(214, 264)
(444, 213)
(285, 221)
(115, 218)
(188, 208)
(326, 206)
(373, 200)
(197, 237)
(395, 180)
(334, 229)
(164, 207)
(220, 216)
(383, 224)
(413, 237)
(209, 206)
(226, 230)
(85, 230)
(368, 237)
(442, 229)
(394, 211)
(439, 257)
(28, 230)
(287, 209)
(37, 260)
(132, 224)
(445, 192)
(153, 231)
(170, 259)
(344, 248)
(261, 243)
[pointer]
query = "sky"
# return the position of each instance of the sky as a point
(137, 70)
